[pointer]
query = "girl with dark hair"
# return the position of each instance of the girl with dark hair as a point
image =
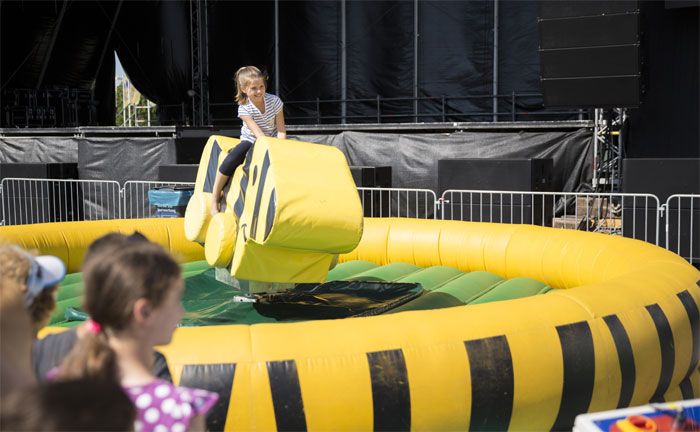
(133, 298)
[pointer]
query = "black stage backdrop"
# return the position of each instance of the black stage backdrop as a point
(152, 40)
(74, 54)
(413, 157)
(455, 58)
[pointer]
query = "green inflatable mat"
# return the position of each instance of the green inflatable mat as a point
(387, 273)
(456, 292)
(432, 277)
(349, 269)
(512, 289)
(211, 302)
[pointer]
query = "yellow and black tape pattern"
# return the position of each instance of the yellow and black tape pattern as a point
(508, 381)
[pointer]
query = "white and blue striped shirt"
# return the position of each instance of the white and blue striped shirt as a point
(266, 120)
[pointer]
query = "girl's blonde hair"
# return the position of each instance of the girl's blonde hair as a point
(14, 266)
(243, 77)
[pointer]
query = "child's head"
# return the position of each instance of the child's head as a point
(75, 405)
(131, 292)
(248, 79)
(110, 242)
(36, 276)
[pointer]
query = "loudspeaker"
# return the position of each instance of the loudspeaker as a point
(495, 174)
(526, 175)
(39, 201)
(39, 170)
(375, 203)
(178, 173)
(589, 54)
(363, 176)
(663, 178)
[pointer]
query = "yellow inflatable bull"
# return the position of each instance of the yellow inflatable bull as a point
(286, 213)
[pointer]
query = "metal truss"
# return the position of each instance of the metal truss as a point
(199, 50)
(608, 149)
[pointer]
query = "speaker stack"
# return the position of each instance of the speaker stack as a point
(186, 173)
(533, 175)
(589, 53)
(663, 178)
(27, 202)
(375, 203)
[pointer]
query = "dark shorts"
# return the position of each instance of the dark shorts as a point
(234, 158)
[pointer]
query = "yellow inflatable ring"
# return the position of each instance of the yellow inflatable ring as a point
(622, 329)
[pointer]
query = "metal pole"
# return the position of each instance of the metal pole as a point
(193, 66)
(277, 47)
(343, 64)
(596, 113)
(495, 60)
(199, 60)
(415, 61)
(205, 56)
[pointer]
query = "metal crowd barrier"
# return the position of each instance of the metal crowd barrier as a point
(639, 216)
(631, 215)
(682, 226)
(135, 203)
(398, 202)
(28, 201)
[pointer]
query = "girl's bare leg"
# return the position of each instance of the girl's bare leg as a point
(219, 183)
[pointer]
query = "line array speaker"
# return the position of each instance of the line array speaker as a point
(589, 54)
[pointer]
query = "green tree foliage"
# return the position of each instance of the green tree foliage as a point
(134, 116)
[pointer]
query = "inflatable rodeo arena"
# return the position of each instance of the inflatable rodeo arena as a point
(394, 323)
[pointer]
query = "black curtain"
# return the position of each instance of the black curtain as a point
(518, 61)
(241, 33)
(81, 57)
(310, 59)
(456, 56)
(379, 59)
(153, 45)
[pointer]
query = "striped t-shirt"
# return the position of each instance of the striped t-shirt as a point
(266, 121)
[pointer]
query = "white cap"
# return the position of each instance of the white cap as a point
(45, 272)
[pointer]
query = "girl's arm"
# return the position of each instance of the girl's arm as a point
(281, 128)
(248, 120)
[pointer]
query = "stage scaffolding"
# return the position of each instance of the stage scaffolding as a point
(608, 149)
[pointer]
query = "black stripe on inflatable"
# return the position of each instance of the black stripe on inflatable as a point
(212, 167)
(694, 319)
(286, 395)
(258, 197)
(270, 217)
(626, 357)
(238, 205)
(491, 368)
(246, 167)
(217, 378)
(579, 372)
(391, 396)
(668, 355)
(687, 389)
